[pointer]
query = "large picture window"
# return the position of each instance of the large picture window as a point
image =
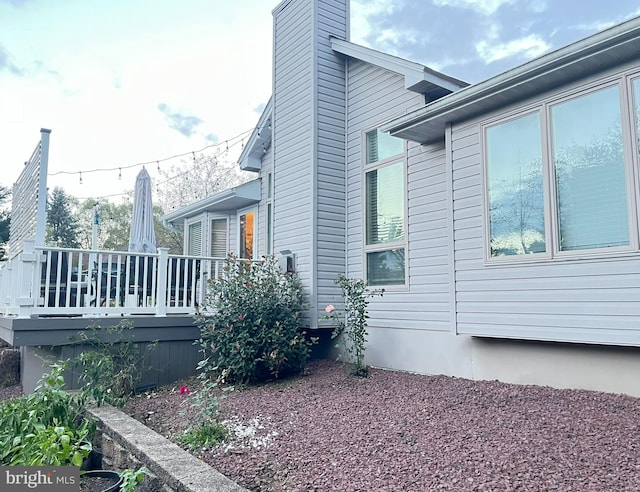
(588, 156)
(384, 185)
(586, 193)
(515, 187)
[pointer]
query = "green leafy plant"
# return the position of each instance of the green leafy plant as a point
(111, 367)
(132, 478)
(204, 435)
(352, 323)
(249, 323)
(48, 427)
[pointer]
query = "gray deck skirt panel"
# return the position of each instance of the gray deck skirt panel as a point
(31, 332)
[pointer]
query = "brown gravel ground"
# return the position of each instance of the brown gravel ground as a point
(396, 431)
(10, 392)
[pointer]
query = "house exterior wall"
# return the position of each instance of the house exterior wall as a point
(415, 329)
(590, 299)
(376, 95)
(427, 325)
(308, 143)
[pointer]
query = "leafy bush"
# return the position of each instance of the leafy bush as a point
(48, 427)
(204, 436)
(249, 323)
(112, 366)
(352, 323)
(132, 478)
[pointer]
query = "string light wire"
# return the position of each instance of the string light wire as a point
(157, 184)
(156, 161)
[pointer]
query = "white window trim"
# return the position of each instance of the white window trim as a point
(203, 226)
(623, 81)
(210, 218)
(268, 219)
(372, 248)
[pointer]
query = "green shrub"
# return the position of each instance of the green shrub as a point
(352, 323)
(250, 323)
(111, 368)
(204, 435)
(132, 478)
(48, 427)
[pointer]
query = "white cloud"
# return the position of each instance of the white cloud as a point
(538, 6)
(529, 46)
(361, 10)
(486, 7)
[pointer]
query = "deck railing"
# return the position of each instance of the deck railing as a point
(49, 281)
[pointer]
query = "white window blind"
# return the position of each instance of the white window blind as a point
(219, 238)
(195, 239)
(381, 146)
(385, 204)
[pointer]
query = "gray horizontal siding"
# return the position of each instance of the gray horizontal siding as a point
(376, 95)
(594, 300)
(330, 154)
(292, 123)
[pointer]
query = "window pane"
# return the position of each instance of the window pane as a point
(246, 235)
(219, 238)
(590, 171)
(195, 239)
(385, 204)
(386, 267)
(381, 146)
(515, 187)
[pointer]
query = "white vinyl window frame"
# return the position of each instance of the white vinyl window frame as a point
(210, 219)
(188, 224)
(384, 246)
(623, 81)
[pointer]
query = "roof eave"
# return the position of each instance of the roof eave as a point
(427, 124)
(247, 193)
(259, 142)
(417, 77)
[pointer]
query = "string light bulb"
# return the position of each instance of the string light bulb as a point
(119, 173)
(80, 177)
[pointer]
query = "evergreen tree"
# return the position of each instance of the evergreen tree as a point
(62, 224)
(5, 220)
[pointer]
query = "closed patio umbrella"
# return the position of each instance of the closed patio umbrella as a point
(142, 238)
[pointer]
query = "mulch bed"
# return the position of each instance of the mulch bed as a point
(396, 431)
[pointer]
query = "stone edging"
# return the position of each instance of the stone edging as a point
(176, 469)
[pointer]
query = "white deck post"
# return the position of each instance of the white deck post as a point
(161, 301)
(24, 289)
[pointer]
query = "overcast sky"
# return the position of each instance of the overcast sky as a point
(121, 82)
